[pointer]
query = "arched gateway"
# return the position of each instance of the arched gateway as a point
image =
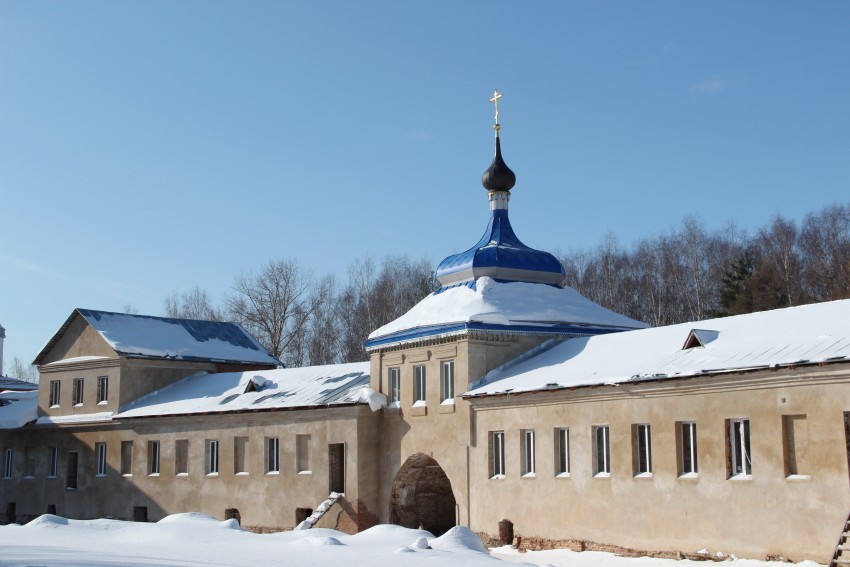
(422, 496)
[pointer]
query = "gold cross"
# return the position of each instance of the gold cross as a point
(495, 100)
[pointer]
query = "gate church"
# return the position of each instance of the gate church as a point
(502, 395)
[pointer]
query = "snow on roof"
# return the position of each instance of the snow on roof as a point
(164, 337)
(256, 390)
(98, 417)
(504, 304)
(7, 383)
(796, 335)
(17, 408)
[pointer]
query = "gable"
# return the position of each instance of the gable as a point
(75, 338)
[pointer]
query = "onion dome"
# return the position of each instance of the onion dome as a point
(499, 254)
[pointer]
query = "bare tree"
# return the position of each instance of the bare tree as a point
(275, 304)
(192, 304)
(21, 371)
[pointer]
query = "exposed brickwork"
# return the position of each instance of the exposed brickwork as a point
(355, 517)
(539, 543)
(422, 496)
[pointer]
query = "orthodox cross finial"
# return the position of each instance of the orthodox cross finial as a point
(495, 100)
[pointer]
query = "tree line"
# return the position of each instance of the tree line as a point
(687, 273)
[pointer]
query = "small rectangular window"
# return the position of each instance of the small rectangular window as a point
(100, 450)
(302, 453)
(642, 450)
(240, 455)
(795, 437)
(212, 456)
(336, 467)
(528, 464)
(738, 461)
(102, 389)
(272, 455)
(418, 383)
(54, 393)
(562, 451)
(29, 462)
(601, 451)
(497, 454)
(53, 472)
(395, 385)
(153, 457)
(447, 380)
(7, 465)
(127, 458)
(181, 457)
(687, 442)
(77, 392)
(71, 470)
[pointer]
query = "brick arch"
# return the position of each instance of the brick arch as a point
(422, 496)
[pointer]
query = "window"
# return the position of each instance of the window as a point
(71, 470)
(240, 455)
(54, 393)
(100, 450)
(302, 453)
(212, 456)
(562, 451)
(795, 444)
(54, 463)
(687, 432)
(7, 465)
(181, 457)
(642, 450)
(153, 457)
(272, 455)
(528, 466)
(102, 389)
(601, 451)
(395, 385)
(336, 467)
(738, 463)
(419, 384)
(127, 458)
(497, 454)
(447, 381)
(77, 392)
(29, 462)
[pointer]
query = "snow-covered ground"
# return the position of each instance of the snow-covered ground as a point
(193, 540)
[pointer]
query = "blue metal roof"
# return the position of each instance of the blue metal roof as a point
(501, 255)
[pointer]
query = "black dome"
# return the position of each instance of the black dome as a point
(498, 176)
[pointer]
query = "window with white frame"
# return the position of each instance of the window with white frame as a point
(212, 456)
(642, 449)
(562, 451)
(447, 380)
(395, 385)
(181, 457)
(77, 392)
(419, 383)
(102, 389)
(738, 462)
(153, 457)
(7, 465)
(126, 458)
(54, 393)
(100, 450)
(497, 454)
(687, 448)
(272, 455)
(528, 449)
(53, 471)
(601, 451)
(302, 454)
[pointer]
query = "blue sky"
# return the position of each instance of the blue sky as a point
(147, 147)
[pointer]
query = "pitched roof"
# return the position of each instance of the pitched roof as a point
(146, 336)
(17, 409)
(492, 305)
(806, 334)
(283, 388)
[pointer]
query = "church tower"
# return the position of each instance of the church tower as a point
(498, 300)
